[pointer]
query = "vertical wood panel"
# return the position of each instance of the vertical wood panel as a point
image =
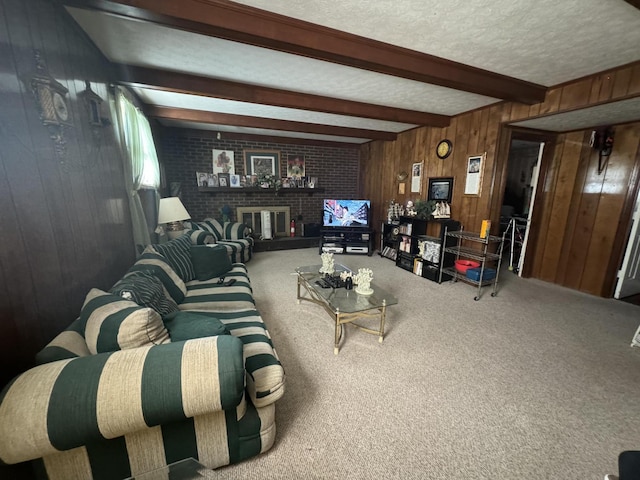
(580, 223)
(61, 239)
(568, 216)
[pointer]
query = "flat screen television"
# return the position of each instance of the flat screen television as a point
(346, 213)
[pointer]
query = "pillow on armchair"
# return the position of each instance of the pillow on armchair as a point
(210, 261)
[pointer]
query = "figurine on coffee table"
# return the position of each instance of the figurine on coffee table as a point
(327, 263)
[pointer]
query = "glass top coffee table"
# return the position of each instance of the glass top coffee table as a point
(344, 306)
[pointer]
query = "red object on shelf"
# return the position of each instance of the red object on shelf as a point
(292, 228)
(463, 265)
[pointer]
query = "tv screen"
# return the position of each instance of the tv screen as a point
(346, 213)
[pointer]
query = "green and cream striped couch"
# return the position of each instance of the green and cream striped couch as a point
(233, 235)
(117, 394)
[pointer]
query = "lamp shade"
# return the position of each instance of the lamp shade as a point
(172, 210)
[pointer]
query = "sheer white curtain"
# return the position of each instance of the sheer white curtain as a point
(141, 168)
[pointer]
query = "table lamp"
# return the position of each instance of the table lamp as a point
(172, 212)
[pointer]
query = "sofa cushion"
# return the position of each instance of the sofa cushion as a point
(112, 323)
(210, 296)
(150, 260)
(145, 289)
(200, 237)
(176, 252)
(235, 230)
(239, 251)
(210, 261)
(210, 225)
(188, 325)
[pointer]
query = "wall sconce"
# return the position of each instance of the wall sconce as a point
(602, 140)
(172, 213)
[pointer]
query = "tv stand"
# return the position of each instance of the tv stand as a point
(347, 240)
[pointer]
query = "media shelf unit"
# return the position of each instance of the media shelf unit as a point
(411, 233)
(347, 240)
(484, 255)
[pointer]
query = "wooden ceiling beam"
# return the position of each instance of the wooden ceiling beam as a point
(214, 118)
(241, 23)
(210, 87)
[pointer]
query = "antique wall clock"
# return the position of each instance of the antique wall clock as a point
(444, 148)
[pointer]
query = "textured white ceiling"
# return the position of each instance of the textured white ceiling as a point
(193, 102)
(145, 44)
(541, 41)
(544, 41)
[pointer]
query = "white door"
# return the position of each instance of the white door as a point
(534, 183)
(629, 275)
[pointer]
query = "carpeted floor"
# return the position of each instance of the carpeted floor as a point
(539, 382)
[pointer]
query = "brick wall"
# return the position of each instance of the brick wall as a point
(183, 153)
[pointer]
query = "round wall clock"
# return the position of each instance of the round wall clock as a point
(444, 148)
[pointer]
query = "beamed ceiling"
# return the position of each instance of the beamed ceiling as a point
(357, 70)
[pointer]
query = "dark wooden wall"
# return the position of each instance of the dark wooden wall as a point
(65, 218)
(569, 180)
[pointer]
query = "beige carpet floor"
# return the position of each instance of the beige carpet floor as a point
(539, 382)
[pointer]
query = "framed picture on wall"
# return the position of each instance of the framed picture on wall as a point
(475, 166)
(416, 177)
(440, 189)
(295, 166)
(262, 162)
(202, 179)
(223, 161)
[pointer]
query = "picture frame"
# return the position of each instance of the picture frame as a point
(223, 161)
(475, 168)
(224, 179)
(262, 162)
(440, 189)
(295, 166)
(212, 180)
(234, 181)
(202, 179)
(416, 177)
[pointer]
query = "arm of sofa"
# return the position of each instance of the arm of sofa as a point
(68, 403)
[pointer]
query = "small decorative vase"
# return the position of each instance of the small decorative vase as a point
(348, 283)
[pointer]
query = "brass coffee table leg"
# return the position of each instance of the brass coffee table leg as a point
(383, 314)
(338, 333)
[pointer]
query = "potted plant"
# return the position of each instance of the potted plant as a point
(424, 208)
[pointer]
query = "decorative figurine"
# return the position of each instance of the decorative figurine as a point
(327, 263)
(442, 210)
(363, 281)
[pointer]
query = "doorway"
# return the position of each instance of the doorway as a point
(518, 199)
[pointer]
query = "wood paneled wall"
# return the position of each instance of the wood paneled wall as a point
(65, 218)
(577, 210)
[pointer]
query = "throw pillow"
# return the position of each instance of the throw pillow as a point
(146, 290)
(152, 261)
(188, 325)
(112, 323)
(176, 252)
(210, 261)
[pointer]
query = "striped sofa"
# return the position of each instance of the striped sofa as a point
(233, 235)
(117, 394)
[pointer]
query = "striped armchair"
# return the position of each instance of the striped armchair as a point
(233, 235)
(118, 394)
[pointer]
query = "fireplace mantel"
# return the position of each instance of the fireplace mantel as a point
(251, 190)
